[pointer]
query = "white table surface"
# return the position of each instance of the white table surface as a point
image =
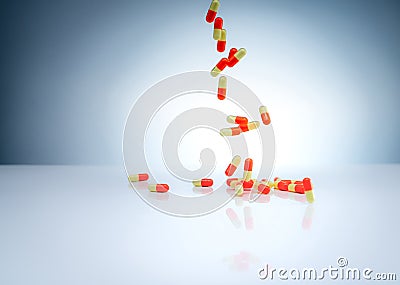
(86, 225)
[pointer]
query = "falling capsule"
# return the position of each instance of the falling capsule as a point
(219, 67)
(264, 115)
(218, 24)
(232, 52)
(222, 85)
(212, 11)
(236, 57)
(221, 43)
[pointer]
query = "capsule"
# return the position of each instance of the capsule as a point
(239, 189)
(219, 67)
(221, 43)
(308, 188)
(161, 188)
(248, 168)
(248, 164)
(138, 177)
(264, 115)
(228, 132)
(278, 184)
(212, 11)
(233, 165)
(205, 182)
(237, 120)
(218, 24)
(236, 57)
(222, 84)
(232, 52)
(249, 126)
(297, 188)
(263, 187)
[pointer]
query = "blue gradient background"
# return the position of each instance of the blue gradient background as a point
(70, 71)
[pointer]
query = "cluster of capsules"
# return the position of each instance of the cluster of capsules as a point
(161, 188)
(247, 183)
(219, 34)
(235, 55)
(263, 186)
(243, 125)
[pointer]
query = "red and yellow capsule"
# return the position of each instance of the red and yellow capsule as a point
(232, 52)
(212, 11)
(248, 164)
(249, 126)
(248, 168)
(218, 24)
(219, 67)
(222, 85)
(280, 185)
(308, 188)
(237, 120)
(263, 187)
(264, 115)
(236, 57)
(233, 165)
(228, 132)
(297, 188)
(221, 43)
(289, 185)
(161, 188)
(138, 177)
(205, 182)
